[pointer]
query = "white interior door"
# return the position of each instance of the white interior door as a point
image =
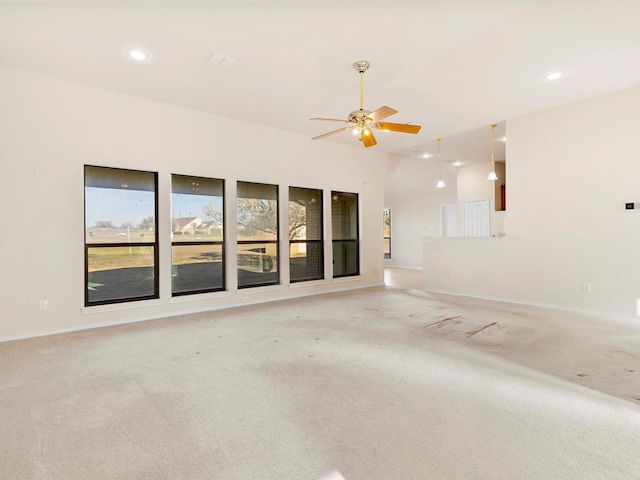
(476, 218)
(449, 220)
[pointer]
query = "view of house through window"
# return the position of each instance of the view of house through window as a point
(305, 234)
(257, 212)
(197, 240)
(386, 228)
(344, 223)
(121, 250)
(121, 235)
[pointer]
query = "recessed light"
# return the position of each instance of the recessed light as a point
(457, 163)
(504, 139)
(554, 75)
(138, 54)
(426, 155)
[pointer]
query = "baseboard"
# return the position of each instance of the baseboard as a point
(626, 318)
(189, 311)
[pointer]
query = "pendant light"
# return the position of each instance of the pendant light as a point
(440, 183)
(492, 173)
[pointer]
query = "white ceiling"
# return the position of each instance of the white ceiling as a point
(453, 67)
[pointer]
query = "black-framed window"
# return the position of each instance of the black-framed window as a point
(121, 246)
(197, 235)
(306, 259)
(344, 224)
(386, 228)
(257, 249)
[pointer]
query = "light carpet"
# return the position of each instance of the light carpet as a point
(379, 383)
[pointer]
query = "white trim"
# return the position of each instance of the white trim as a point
(400, 266)
(122, 306)
(348, 278)
(309, 283)
(259, 288)
(208, 308)
(199, 296)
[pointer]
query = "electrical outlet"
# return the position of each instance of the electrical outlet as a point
(586, 287)
(452, 275)
(44, 304)
(245, 299)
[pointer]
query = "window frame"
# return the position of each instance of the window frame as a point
(319, 242)
(155, 245)
(221, 243)
(386, 214)
(275, 242)
(355, 241)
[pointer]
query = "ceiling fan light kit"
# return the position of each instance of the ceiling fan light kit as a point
(361, 121)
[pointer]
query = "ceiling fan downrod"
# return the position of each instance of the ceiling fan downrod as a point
(361, 67)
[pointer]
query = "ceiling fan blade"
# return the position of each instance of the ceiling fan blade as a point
(368, 140)
(330, 119)
(382, 112)
(343, 129)
(399, 127)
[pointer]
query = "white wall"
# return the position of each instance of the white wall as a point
(50, 128)
(570, 172)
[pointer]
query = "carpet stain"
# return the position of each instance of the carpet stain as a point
(473, 332)
(581, 375)
(440, 322)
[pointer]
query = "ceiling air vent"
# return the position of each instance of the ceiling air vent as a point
(221, 60)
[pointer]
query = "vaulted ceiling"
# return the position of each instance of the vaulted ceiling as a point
(452, 67)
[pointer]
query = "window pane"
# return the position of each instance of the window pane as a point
(344, 222)
(345, 258)
(305, 261)
(196, 268)
(386, 228)
(196, 205)
(305, 214)
(120, 206)
(257, 264)
(257, 211)
(344, 215)
(120, 273)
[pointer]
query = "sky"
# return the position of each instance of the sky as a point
(132, 206)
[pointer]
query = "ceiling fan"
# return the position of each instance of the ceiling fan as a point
(360, 122)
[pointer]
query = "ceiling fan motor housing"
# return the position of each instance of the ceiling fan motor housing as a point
(360, 118)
